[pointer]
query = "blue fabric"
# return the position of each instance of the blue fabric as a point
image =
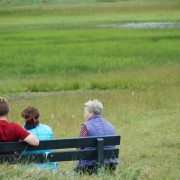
(42, 132)
(97, 126)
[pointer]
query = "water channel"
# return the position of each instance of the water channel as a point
(143, 25)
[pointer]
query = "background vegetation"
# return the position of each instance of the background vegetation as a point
(45, 40)
(55, 55)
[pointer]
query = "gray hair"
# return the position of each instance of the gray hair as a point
(94, 106)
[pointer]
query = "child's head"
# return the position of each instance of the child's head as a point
(31, 115)
(4, 107)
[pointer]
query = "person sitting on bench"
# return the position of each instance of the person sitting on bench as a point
(12, 131)
(95, 125)
(42, 131)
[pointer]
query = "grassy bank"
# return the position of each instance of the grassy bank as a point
(146, 119)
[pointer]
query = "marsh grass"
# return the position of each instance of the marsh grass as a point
(34, 60)
(57, 46)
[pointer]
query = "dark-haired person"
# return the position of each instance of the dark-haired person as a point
(42, 131)
(95, 125)
(12, 131)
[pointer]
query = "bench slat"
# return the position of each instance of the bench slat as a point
(72, 155)
(59, 143)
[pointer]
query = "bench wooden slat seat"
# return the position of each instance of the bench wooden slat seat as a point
(63, 151)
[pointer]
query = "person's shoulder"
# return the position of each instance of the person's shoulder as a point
(45, 126)
(85, 123)
(17, 127)
(15, 124)
(108, 122)
(10, 123)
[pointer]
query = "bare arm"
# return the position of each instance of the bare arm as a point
(32, 140)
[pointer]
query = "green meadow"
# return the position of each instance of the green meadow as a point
(58, 54)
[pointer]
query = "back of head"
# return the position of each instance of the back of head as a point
(4, 106)
(31, 115)
(94, 106)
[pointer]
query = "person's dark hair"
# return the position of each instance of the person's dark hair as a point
(4, 106)
(31, 115)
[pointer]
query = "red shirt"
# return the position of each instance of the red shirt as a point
(83, 132)
(11, 131)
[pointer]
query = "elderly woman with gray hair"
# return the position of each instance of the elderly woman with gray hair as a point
(95, 125)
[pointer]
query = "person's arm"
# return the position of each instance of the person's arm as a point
(22, 134)
(32, 140)
(83, 133)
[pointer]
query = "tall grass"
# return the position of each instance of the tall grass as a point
(59, 47)
(146, 119)
(86, 58)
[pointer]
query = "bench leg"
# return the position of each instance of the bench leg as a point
(99, 154)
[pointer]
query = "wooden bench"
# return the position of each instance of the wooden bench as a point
(63, 151)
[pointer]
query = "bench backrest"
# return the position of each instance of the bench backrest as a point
(98, 153)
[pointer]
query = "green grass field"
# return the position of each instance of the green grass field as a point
(54, 55)
(148, 121)
(41, 42)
